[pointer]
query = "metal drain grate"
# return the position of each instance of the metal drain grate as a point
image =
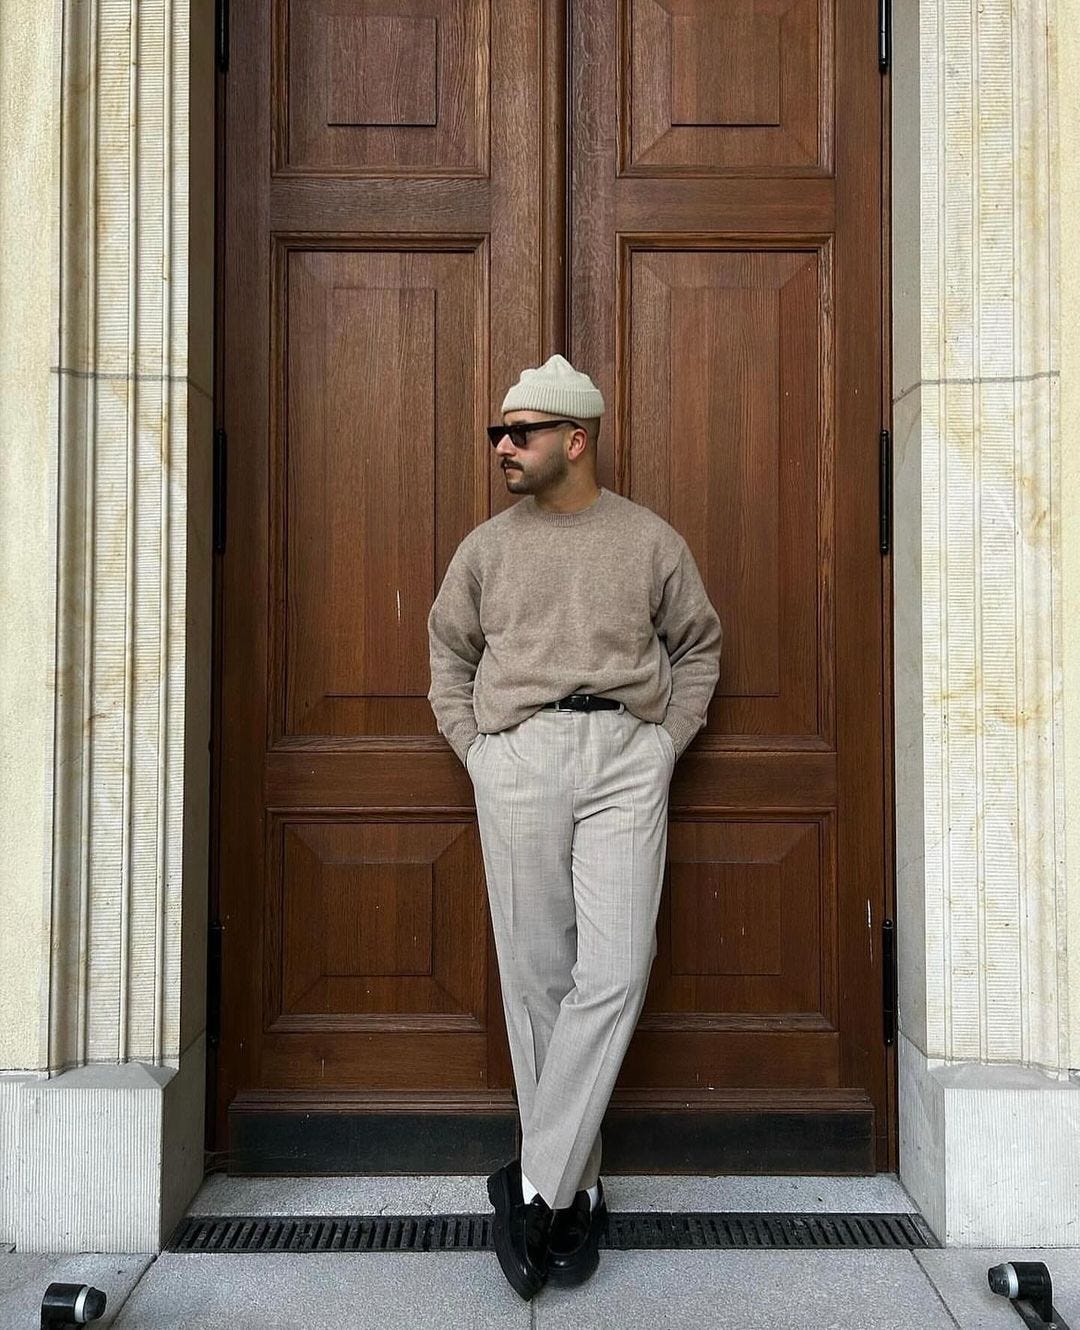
(626, 1231)
(816, 1231)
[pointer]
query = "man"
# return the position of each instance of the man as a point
(574, 652)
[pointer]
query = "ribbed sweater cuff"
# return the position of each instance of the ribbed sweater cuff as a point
(682, 727)
(460, 738)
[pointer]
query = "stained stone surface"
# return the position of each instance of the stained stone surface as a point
(24, 1278)
(372, 1291)
(221, 1195)
(960, 1278)
(880, 1193)
(778, 1290)
(660, 1290)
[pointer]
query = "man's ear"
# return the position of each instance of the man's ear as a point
(584, 440)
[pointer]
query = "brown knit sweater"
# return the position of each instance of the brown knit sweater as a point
(537, 605)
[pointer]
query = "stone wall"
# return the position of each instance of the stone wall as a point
(988, 1111)
(1067, 257)
(106, 798)
(28, 146)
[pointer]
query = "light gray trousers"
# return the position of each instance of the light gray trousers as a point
(572, 809)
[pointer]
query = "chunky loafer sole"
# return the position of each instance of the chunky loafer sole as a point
(569, 1271)
(524, 1279)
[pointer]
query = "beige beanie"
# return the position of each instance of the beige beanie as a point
(557, 388)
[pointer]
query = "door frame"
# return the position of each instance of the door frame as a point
(556, 240)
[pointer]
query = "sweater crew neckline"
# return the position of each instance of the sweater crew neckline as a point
(594, 510)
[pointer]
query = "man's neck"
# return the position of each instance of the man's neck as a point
(574, 502)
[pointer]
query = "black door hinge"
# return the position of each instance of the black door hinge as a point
(888, 982)
(884, 34)
(885, 490)
(213, 983)
(221, 469)
(222, 26)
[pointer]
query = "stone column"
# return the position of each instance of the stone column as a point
(989, 1144)
(106, 1137)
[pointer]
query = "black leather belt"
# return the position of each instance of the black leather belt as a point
(583, 702)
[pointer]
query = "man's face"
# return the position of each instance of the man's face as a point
(543, 463)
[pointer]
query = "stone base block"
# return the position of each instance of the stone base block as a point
(11, 1087)
(104, 1158)
(990, 1153)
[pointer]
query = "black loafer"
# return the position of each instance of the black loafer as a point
(521, 1231)
(575, 1236)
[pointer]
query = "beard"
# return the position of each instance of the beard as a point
(540, 477)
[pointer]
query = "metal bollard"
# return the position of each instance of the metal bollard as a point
(1028, 1287)
(66, 1305)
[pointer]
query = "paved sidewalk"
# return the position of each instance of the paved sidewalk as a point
(656, 1290)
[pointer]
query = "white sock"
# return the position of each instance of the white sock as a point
(594, 1196)
(528, 1191)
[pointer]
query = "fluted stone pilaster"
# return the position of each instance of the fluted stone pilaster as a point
(980, 797)
(124, 389)
(104, 1146)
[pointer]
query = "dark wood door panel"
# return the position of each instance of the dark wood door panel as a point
(402, 235)
(382, 283)
(744, 207)
(740, 343)
(748, 910)
(386, 774)
(378, 468)
(359, 90)
(362, 925)
(331, 211)
(733, 86)
(389, 1061)
(735, 1060)
(725, 393)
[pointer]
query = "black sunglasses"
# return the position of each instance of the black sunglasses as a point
(519, 433)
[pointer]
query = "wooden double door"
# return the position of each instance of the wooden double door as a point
(419, 198)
